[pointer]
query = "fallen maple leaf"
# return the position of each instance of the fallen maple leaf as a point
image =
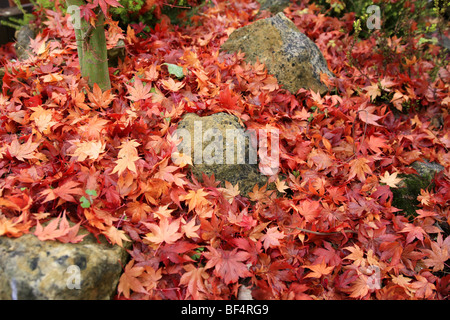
(23, 151)
(423, 289)
(196, 198)
(366, 115)
(87, 149)
(127, 157)
(227, 265)
(11, 228)
(164, 232)
(230, 191)
(100, 99)
(357, 255)
(359, 168)
(190, 228)
(115, 235)
(271, 238)
(171, 85)
(59, 229)
(414, 232)
(281, 185)
(390, 179)
(310, 210)
(65, 192)
(194, 278)
(139, 91)
(129, 280)
(373, 91)
(439, 253)
(319, 270)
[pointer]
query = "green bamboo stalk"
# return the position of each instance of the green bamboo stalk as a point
(92, 52)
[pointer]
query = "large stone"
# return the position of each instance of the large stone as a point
(405, 197)
(208, 135)
(287, 53)
(31, 269)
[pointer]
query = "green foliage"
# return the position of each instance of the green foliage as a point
(17, 23)
(129, 13)
(175, 70)
(85, 202)
(28, 18)
(396, 16)
(136, 11)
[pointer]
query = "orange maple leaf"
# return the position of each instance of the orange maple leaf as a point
(359, 167)
(100, 99)
(59, 229)
(129, 280)
(319, 270)
(139, 91)
(127, 157)
(196, 198)
(194, 278)
(23, 151)
(190, 228)
(171, 85)
(164, 232)
(115, 235)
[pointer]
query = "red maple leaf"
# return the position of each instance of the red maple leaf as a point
(228, 265)
(104, 5)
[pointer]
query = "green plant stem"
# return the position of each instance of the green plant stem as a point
(92, 52)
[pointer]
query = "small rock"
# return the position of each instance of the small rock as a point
(287, 53)
(273, 6)
(208, 136)
(31, 269)
(405, 197)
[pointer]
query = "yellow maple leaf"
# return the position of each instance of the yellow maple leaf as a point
(196, 198)
(88, 149)
(390, 179)
(127, 157)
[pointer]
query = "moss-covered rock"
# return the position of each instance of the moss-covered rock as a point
(287, 53)
(31, 269)
(209, 138)
(24, 35)
(405, 197)
(273, 6)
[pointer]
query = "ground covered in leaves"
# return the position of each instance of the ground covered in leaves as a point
(103, 161)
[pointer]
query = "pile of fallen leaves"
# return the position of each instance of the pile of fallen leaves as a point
(103, 161)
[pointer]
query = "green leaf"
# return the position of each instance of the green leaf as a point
(175, 70)
(91, 192)
(85, 203)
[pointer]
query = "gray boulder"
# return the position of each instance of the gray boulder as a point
(287, 53)
(213, 137)
(31, 269)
